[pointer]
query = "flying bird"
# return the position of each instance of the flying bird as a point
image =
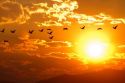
(50, 33)
(48, 29)
(114, 27)
(5, 41)
(65, 28)
(51, 37)
(13, 31)
(31, 31)
(99, 29)
(83, 27)
(3, 30)
(41, 30)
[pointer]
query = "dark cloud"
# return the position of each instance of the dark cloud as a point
(24, 68)
(32, 60)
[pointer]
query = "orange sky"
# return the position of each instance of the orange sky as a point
(25, 15)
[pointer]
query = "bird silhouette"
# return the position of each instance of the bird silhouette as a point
(99, 29)
(3, 30)
(50, 33)
(31, 31)
(13, 31)
(49, 29)
(51, 37)
(115, 27)
(5, 41)
(65, 28)
(83, 27)
(41, 30)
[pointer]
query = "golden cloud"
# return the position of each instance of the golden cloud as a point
(33, 45)
(12, 12)
(58, 13)
(61, 13)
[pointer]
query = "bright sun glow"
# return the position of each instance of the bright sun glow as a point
(94, 47)
(95, 50)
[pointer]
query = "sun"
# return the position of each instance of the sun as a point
(94, 47)
(96, 50)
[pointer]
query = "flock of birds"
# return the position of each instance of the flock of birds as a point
(49, 31)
